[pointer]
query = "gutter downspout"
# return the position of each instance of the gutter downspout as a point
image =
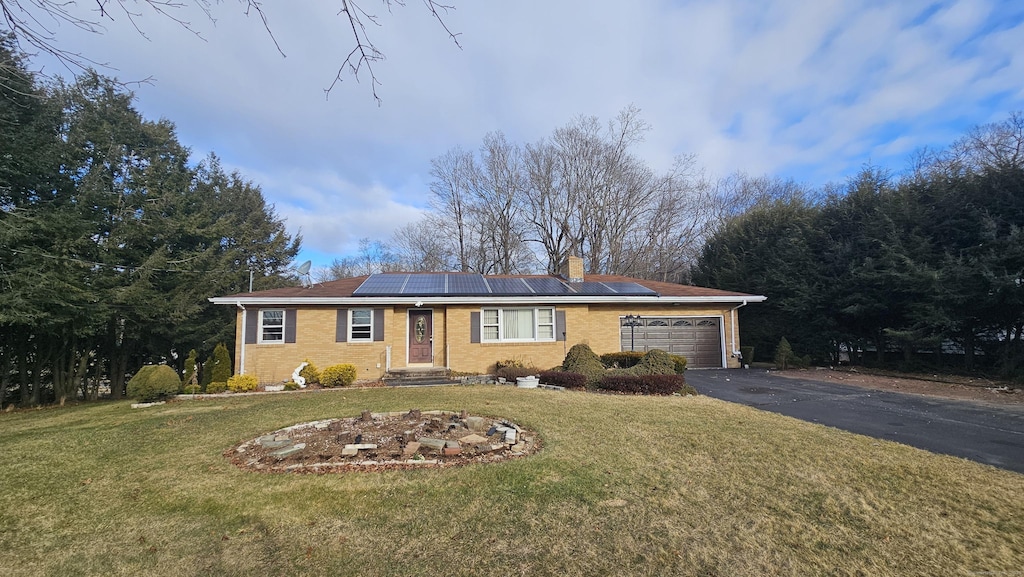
(241, 354)
(732, 319)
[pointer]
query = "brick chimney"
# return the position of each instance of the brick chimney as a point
(572, 270)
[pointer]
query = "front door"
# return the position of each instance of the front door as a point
(421, 337)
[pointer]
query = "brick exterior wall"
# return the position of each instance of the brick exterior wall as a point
(596, 325)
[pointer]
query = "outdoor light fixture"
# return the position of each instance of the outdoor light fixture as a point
(632, 321)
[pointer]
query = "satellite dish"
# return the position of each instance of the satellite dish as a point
(304, 267)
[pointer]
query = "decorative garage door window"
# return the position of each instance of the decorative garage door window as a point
(699, 339)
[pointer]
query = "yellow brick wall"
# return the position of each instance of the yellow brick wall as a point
(595, 325)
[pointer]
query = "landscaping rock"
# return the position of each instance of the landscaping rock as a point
(289, 451)
(472, 439)
(410, 449)
(476, 424)
(436, 444)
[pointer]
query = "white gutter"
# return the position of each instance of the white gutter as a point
(392, 300)
(732, 318)
(241, 354)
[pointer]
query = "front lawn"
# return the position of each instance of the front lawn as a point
(623, 486)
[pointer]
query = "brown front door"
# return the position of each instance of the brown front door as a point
(421, 337)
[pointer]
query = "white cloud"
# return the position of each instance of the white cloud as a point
(811, 90)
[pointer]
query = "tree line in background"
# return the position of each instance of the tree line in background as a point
(111, 241)
(522, 208)
(923, 271)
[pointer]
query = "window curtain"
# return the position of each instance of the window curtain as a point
(518, 323)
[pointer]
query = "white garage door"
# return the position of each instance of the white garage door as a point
(699, 339)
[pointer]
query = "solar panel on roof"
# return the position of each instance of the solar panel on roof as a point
(629, 288)
(509, 287)
(547, 286)
(384, 284)
(466, 284)
(425, 284)
(592, 288)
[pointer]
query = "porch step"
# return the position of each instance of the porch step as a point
(415, 376)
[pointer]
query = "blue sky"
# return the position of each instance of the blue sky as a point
(808, 90)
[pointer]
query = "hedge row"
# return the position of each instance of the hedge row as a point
(646, 384)
(564, 379)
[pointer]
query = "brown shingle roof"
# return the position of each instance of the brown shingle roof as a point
(344, 288)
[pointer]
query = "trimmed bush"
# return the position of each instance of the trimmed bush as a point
(746, 355)
(655, 362)
(190, 371)
(220, 371)
(242, 383)
(153, 383)
(511, 373)
(582, 359)
(679, 362)
(310, 373)
(784, 354)
(192, 389)
(217, 387)
(291, 386)
(621, 360)
(644, 385)
(564, 379)
(341, 375)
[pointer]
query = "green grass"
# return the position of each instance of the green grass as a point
(623, 486)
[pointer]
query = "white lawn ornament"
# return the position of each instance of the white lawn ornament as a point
(299, 379)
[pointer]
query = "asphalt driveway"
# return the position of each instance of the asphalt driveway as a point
(977, 431)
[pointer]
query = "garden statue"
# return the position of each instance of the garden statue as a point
(299, 379)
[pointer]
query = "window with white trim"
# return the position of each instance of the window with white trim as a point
(360, 325)
(271, 326)
(517, 325)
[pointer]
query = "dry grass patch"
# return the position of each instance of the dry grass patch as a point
(624, 485)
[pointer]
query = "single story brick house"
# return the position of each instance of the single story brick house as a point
(467, 322)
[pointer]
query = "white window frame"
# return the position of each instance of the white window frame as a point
(352, 325)
(263, 327)
(501, 325)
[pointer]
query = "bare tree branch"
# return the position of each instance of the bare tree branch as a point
(35, 22)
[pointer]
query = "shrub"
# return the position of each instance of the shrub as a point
(644, 384)
(310, 373)
(341, 375)
(221, 370)
(509, 363)
(783, 354)
(192, 389)
(511, 373)
(564, 379)
(190, 377)
(217, 387)
(746, 355)
(679, 363)
(582, 359)
(242, 383)
(291, 386)
(154, 382)
(621, 360)
(655, 362)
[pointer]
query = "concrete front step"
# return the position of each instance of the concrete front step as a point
(416, 376)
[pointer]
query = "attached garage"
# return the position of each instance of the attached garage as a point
(699, 339)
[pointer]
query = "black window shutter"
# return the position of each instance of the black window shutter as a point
(559, 325)
(378, 324)
(252, 325)
(474, 327)
(289, 325)
(341, 330)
